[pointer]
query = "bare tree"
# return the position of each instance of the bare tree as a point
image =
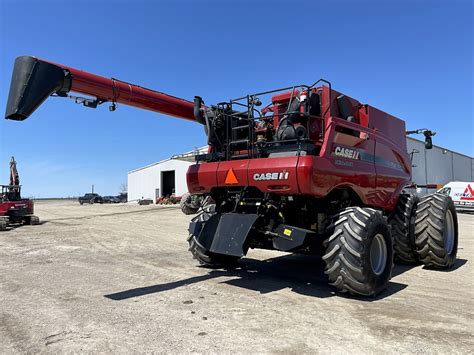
(123, 188)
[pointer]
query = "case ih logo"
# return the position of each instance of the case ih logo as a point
(271, 176)
(468, 194)
(346, 153)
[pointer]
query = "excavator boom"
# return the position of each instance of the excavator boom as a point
(34, 80)
(14, 176)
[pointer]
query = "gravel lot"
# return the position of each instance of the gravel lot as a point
(119, 278)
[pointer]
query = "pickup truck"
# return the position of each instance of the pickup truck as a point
(90, 198)
(111, 199)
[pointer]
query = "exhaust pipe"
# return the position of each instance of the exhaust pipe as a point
(33, 81)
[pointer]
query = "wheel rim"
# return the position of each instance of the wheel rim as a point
(449, 232)
(378, 254)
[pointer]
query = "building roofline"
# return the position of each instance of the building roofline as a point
(148, 166)
(437, 146)
(174, 157)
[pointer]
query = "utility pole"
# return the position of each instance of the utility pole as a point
(92, 188)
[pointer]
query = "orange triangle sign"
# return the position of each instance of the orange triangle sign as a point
(231, 178)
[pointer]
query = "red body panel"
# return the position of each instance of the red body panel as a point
(377, 176)
(7, 206)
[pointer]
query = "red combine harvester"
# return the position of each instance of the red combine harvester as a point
(311, 171)
(13, 208)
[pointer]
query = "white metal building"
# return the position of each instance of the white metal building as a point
(162, 178)
(435, 166)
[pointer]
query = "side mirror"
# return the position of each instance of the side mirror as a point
(428, 143)
(428, 140)
(427, 133)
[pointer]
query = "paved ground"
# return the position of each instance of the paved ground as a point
(120, 279)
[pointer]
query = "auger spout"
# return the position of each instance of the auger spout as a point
(34, 80)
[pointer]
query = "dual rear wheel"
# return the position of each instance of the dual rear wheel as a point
(425, 230)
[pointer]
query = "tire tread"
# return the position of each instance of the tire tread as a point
(429, 231)
(403, 231)
(346, 251)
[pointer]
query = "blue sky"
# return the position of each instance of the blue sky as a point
(412, 59)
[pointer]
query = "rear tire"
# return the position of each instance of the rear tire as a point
(359, 252)
(186, 207)
(208, 259)
(204, 256)
(403, 229)
(436, 231)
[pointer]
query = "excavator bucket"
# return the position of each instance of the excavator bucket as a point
(33, 80)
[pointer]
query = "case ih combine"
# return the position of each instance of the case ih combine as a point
(13, 208)
(311, 171)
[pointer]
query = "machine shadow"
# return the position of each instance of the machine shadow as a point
(402, 268)
(457, 264)
(299, 273)
(399, 269)
(143, 291)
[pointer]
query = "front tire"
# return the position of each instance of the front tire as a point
(403, 229)
(359, 252)
(436, 231)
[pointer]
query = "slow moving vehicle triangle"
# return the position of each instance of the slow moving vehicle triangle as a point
(231, 179)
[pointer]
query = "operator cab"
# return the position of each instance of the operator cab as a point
(10, 193)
